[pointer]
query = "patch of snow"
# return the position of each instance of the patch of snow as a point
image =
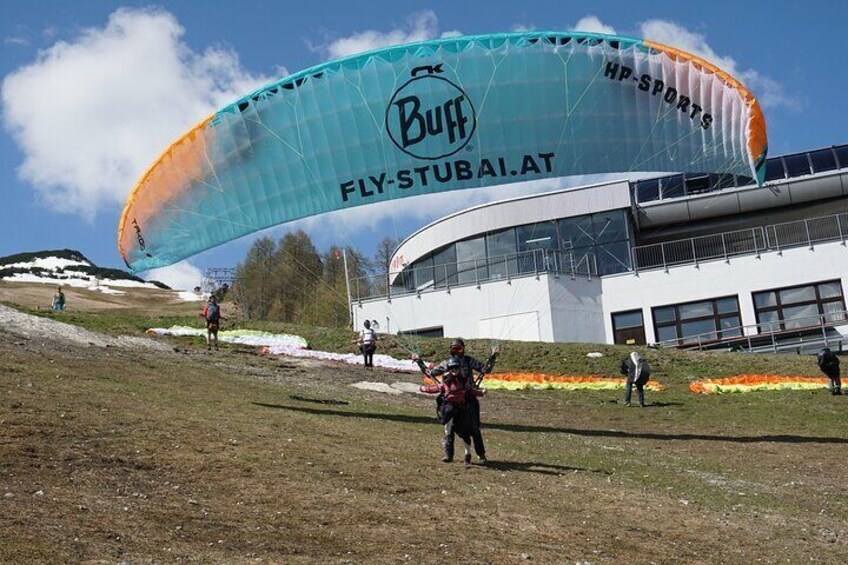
(78, 280)
(190, 296)
(384, 361)
(47, 263)
(106, 290)
(594, 354)
(243, 337)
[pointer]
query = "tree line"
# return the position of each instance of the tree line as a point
(290, 281)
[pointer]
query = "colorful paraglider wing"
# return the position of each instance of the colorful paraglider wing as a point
(435, 116)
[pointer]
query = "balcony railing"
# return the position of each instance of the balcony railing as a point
(774, 336)
(753, 241)
(474, 273)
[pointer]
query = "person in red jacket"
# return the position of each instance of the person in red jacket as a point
(455, 391)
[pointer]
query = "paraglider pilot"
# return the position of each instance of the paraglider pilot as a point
(467, 366)
(636, 371)
(455, 392)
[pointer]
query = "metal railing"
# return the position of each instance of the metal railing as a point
(769, 336)
(474, 273)
(753, 241)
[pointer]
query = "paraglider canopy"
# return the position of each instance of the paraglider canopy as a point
(440, 115)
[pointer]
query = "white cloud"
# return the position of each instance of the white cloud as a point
(179, 276)
(421, 26)
(593, 24)
(91, 114)
(769, 92)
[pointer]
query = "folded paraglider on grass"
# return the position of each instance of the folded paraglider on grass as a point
(539, 381)
(751, 383)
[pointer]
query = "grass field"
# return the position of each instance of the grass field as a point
(111, 455)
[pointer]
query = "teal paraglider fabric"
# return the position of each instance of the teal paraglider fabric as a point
(441, 115)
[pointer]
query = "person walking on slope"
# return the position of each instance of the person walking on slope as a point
(367, 344)
(212, 314)
(467, 365)
(637, 372)
(828, 362)
(456, 392)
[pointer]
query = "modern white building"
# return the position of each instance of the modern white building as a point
(679, 260)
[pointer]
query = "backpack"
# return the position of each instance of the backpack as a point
(827, 361)
(213, 313)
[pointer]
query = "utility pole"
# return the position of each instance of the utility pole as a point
(347, 286)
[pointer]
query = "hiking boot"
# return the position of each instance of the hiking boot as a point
(447, 459)
(467, 459)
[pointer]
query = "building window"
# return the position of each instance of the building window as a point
(647, 190)
(628, 328)
(823, 160)
(799, 306)
(797, 165)
(774, 169)
(698, 322)
(471, 261)
(536, 242)
(597, 243)
(444, 265)
(500, 250)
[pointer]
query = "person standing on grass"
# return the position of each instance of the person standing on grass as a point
(212, 314)
(59, 300)
(636, 371)
(454, 414)
(828, 362)
(367, 344)
(468, 365)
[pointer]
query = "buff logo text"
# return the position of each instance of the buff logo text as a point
(415, 125)
(429, 117)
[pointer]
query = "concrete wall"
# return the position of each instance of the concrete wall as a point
(519, 310)
(576, 309)
(525, 309)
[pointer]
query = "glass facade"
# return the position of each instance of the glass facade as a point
(598, 244)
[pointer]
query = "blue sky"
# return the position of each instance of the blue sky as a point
(93, 91)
